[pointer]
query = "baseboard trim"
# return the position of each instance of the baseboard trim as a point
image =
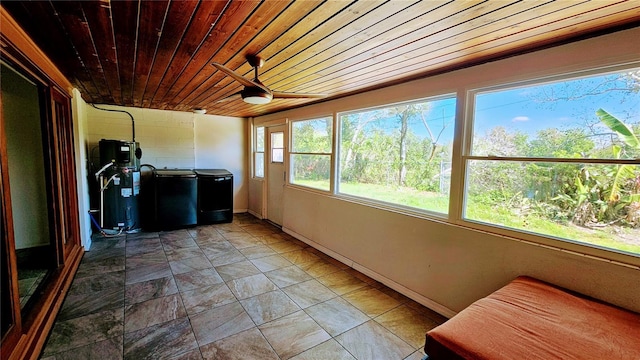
(421, 299)
(239, 211)
(259, 216)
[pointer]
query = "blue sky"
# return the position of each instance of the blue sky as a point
(529, 109)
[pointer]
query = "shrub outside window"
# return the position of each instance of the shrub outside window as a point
(258, 154)
(311, 151)
(399, 154)
(559, 159)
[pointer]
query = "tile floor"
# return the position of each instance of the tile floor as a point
(244, 290)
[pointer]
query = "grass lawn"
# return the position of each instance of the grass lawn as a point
(606, 237)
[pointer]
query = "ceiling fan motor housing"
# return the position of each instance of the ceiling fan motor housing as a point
(256, 95)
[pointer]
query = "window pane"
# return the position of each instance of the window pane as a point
(590, 203)
(559, 120)
(259, 164)
(260, 139)
(400, 154)
(277, 155)
(312, 136)
(277, 140)
(311, 170)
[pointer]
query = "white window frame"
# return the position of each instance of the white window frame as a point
(466, 156)
(331, 156)
(394, 207)
(257, 151)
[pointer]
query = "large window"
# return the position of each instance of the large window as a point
(559, 159)
(400, 154)
(258, 154)
(311, 147)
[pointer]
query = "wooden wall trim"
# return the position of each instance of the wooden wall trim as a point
(31, 343)
(13, 33)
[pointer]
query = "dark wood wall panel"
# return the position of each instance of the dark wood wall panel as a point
(158, 54)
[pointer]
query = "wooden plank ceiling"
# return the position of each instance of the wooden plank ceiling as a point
(158, 54)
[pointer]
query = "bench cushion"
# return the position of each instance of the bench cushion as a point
(530, 319)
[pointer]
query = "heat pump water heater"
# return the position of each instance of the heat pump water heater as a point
(119, 184)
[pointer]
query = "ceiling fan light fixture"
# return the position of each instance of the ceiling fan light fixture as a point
(256, 96)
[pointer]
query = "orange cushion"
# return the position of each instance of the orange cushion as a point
(530, 319)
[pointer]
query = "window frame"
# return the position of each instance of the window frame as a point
(385, 205)
(272, 147)
(256, 151)
(292, 152)
(466, 157)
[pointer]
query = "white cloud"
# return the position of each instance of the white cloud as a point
(520, 119)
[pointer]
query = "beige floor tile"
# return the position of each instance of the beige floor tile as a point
(151, 289)
(288, 276)
(228, 257)
(147, 272)
(293, 334)
(372, 302)
(241, 241)
(257, 251)
(271, 238)
(418, 355)
(329, 349)
(284, 246)
(269, 306)
(246, 345)
(219, 323)
(408, 323)
(189, 355)
(145, 259)
(269, 263)
(206, 298)
(183, 253)
(300, 257)
(309, 293)
(336, 316)
(250, 286)
(319, 268)
(174, 244)
(166, 340)
(341, 283)
(371, 341)
(198, 262)
(237, 270)
(152, 312)
(197, 279)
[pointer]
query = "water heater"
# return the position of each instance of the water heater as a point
(119, 184)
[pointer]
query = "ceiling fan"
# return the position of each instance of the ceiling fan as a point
(255, 92)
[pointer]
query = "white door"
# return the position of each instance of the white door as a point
(276, 171)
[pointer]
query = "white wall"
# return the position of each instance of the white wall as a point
(166, 137)
(80, 129)
(221, 143)
(176, 139)
(25, 158)
(445, 264)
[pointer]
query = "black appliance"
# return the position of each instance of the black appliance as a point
(215, 196)
(175, 199)
(119, 185)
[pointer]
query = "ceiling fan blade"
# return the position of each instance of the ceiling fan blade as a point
(230, 97)
(287, 95)
(241, 79)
